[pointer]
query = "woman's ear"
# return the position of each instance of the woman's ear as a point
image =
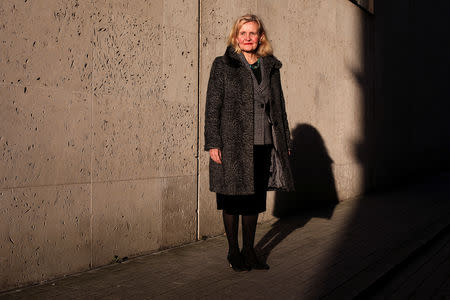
(261, 39)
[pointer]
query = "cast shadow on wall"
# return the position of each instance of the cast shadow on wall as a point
(315, 191)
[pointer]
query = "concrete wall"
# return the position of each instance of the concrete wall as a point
(98, 133)
(101, 121)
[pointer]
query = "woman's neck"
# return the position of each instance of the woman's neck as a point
(251, 57)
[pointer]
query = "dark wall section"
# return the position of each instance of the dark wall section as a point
(406, 137)
(407, 94)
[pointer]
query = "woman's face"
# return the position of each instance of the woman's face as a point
(248, 37)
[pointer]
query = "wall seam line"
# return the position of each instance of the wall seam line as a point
(91, 210)
(89, 181)
(198, 118)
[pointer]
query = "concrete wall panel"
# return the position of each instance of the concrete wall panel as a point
(151, 9)
(178, 128)
(45, 137)
(136, 217)
(142, 139)
(179, 211)
(102, 93)
(46, 44)
(44, 233)
(179, 71)
(127, 54)
(181, 15)
(210, 219)
(145, 74)
(148, 71)
(126, 219)
(126, 139)
(178, 148)
(348, 180)
(350, 86)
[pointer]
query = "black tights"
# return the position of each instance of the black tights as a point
(231, 223)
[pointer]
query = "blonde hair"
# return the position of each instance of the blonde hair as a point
(264, 48)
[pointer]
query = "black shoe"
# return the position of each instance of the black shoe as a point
(237, 262)
(253, 260)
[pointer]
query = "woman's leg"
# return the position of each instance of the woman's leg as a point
(261, 176)
(248, 231)
(248, 235)
(235, 258)
(231, 224)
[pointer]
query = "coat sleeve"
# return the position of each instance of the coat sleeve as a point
(214, 101)
(284, 116)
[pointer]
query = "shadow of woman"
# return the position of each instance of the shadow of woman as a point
(315, 194)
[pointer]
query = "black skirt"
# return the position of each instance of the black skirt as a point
(254, 203)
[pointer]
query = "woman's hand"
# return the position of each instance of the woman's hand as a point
(216, 155)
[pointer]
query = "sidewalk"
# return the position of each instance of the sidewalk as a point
(360, 250)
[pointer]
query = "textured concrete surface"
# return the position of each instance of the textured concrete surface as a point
(44, 232)
(45, 137)
(98, 133)
(126, 219)
(311, 257)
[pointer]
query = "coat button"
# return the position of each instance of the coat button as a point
(262, 105)
(275, 123)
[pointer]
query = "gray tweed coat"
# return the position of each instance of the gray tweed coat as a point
(229, 126)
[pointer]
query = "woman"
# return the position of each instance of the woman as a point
(246, 134)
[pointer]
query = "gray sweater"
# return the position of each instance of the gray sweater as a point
(261, 95)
